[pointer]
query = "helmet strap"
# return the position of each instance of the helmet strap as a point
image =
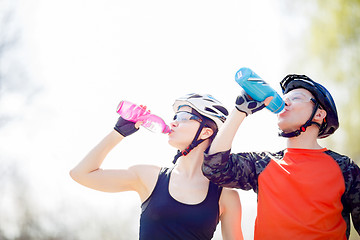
(195, 142)
(303, 127)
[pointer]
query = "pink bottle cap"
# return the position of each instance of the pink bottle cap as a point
(166, 129)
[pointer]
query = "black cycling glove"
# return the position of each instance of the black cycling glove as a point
(244, 103)
(125, 127)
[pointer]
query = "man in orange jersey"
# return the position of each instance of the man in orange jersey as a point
(305, 191)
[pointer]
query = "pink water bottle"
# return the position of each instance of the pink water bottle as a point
(135, 113)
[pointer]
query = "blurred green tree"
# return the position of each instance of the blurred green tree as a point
(324, 40)
(335, 40)
(328, 44)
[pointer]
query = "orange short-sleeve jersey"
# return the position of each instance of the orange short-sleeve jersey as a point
(299, 197)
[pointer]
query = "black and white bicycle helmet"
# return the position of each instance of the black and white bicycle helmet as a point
(322, 99)
(207, 107)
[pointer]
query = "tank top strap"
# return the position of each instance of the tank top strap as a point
(161, 185)
(214, 190)
(164, 176)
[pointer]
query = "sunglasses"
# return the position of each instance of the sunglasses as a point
(297, 98)
(186, 116)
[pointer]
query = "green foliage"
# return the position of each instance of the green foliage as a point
(332, 41)
(330, 45)
(335, 39)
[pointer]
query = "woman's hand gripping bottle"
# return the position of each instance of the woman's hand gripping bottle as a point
(258, 89)
(134, 113)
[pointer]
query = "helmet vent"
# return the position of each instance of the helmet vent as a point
(195, 96)
(209, 109)
(222, 109)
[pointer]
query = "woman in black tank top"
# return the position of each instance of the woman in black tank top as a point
(177, 202)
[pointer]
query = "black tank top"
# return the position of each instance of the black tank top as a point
(163, 217)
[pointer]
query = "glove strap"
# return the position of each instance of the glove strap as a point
(244, 103)
(125, 127)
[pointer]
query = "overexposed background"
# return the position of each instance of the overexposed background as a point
(81, 58)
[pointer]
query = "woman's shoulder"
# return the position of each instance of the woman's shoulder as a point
(146, 170)
(147, 176)
(229, 202)
(229, 196)
(230, 192)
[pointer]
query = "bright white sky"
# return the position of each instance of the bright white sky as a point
(87, 55)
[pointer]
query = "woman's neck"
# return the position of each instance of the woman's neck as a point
(192, 162)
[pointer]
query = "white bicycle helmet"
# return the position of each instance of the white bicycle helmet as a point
(205, 105)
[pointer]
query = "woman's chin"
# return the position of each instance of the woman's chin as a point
(173, 144)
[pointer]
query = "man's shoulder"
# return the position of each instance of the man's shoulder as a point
(339, 158)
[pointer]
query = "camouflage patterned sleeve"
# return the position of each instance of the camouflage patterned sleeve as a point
(351, 197)
(239, 170)
(353, 194)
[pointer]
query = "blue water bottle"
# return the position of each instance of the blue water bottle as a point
(258, 89)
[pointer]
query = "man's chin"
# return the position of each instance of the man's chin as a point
(285, 129)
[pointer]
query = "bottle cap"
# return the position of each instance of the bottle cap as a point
(166, 129)
(276, 105)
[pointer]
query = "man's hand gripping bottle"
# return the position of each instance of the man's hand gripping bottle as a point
(258, 89)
